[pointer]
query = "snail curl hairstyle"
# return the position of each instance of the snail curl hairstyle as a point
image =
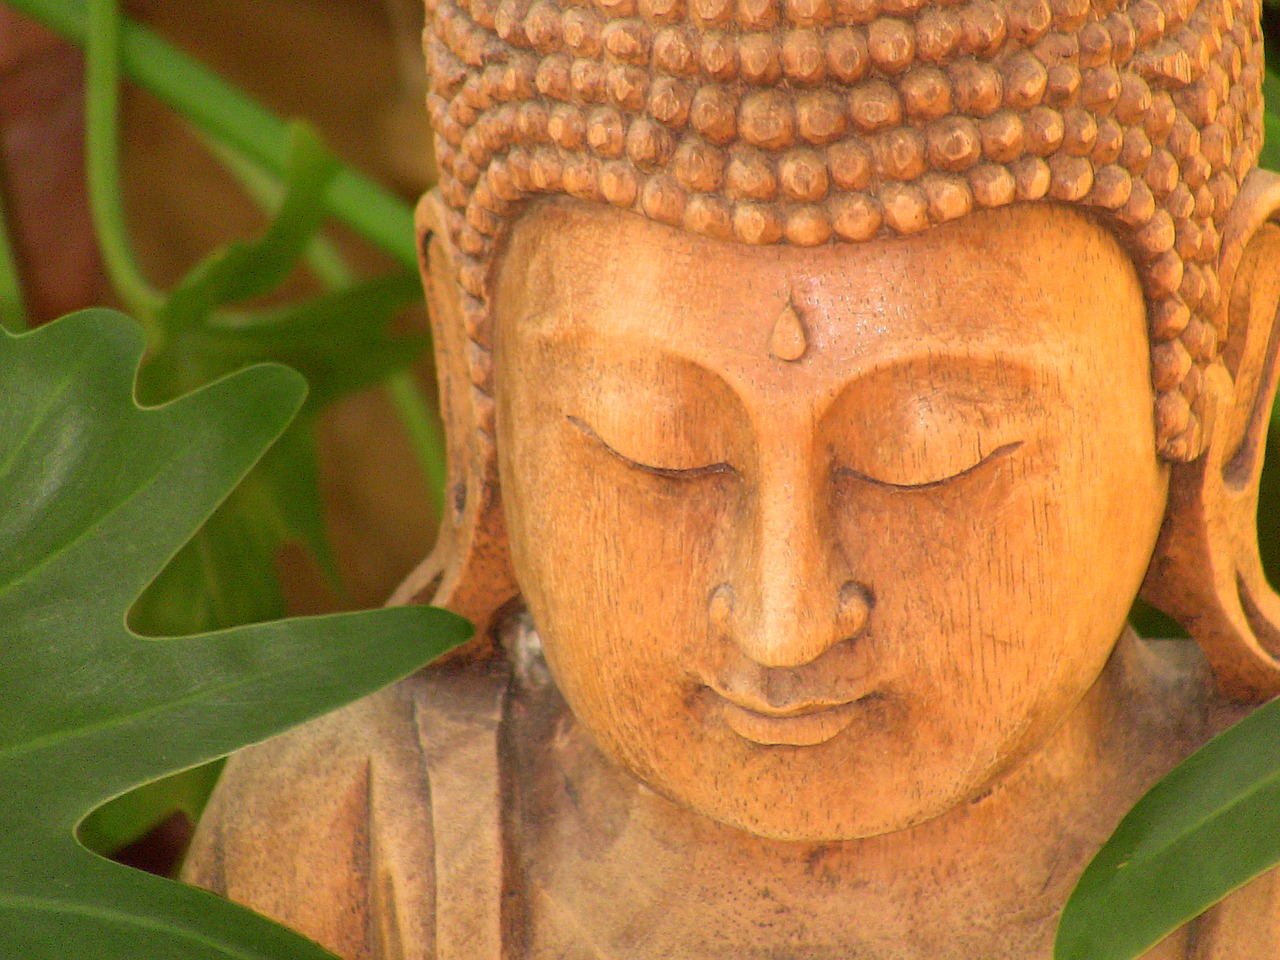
(810, 121)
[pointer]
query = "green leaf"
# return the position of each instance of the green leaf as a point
(323, 259)
(128, 818)
(1271, 89)
(13, 308)
(1210, 826)
(337, 341)
(96, 494)
(1270, 158)
(241, 270)
(224, 576)
(291, 474)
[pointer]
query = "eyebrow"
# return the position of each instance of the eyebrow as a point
(561, 328)
(1029, 370)
(1026, 371)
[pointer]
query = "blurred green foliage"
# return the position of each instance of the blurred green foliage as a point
(211, 323)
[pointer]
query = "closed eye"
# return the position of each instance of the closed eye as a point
(686, 473)
(995, 454)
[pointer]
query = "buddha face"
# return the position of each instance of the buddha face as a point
(820, 542)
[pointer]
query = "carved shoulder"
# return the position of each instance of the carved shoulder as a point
(327, 830)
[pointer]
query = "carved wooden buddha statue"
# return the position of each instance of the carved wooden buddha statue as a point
(823, 381)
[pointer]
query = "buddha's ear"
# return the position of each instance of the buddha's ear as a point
(469, 569)
(1206, 572)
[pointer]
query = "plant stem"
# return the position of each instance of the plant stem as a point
(253, 144)
(424, 434)
(227, 115)
(412, 408)
(13, 309)
(267, 191)
(102, 107)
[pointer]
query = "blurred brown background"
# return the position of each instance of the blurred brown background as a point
(351, 67)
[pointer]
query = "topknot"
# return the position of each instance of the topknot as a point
(808, 121)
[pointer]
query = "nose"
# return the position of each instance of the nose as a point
(791, 598)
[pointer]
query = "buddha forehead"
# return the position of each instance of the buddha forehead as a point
(608, 282)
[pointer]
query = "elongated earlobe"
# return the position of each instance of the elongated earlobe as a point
(469, 569)
(1206, 571)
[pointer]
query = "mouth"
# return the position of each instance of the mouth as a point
(800, 724)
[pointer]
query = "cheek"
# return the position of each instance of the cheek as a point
(966, 597)
(999, 599)
(616, 569)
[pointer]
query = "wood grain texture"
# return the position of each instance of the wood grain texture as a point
(469, 569)
(829, 548)
(598, 865)
(776, 581)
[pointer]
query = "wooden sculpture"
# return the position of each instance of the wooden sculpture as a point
(823, 379)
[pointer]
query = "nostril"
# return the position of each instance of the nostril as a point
(720, 609)
(855, 606)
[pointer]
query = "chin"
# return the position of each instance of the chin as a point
(859, 806)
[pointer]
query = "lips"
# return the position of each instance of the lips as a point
(800, 724)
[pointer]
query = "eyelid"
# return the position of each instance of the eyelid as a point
(670, 472)
(1000, 451)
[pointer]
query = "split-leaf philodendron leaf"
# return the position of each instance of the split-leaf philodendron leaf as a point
(96, 494)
